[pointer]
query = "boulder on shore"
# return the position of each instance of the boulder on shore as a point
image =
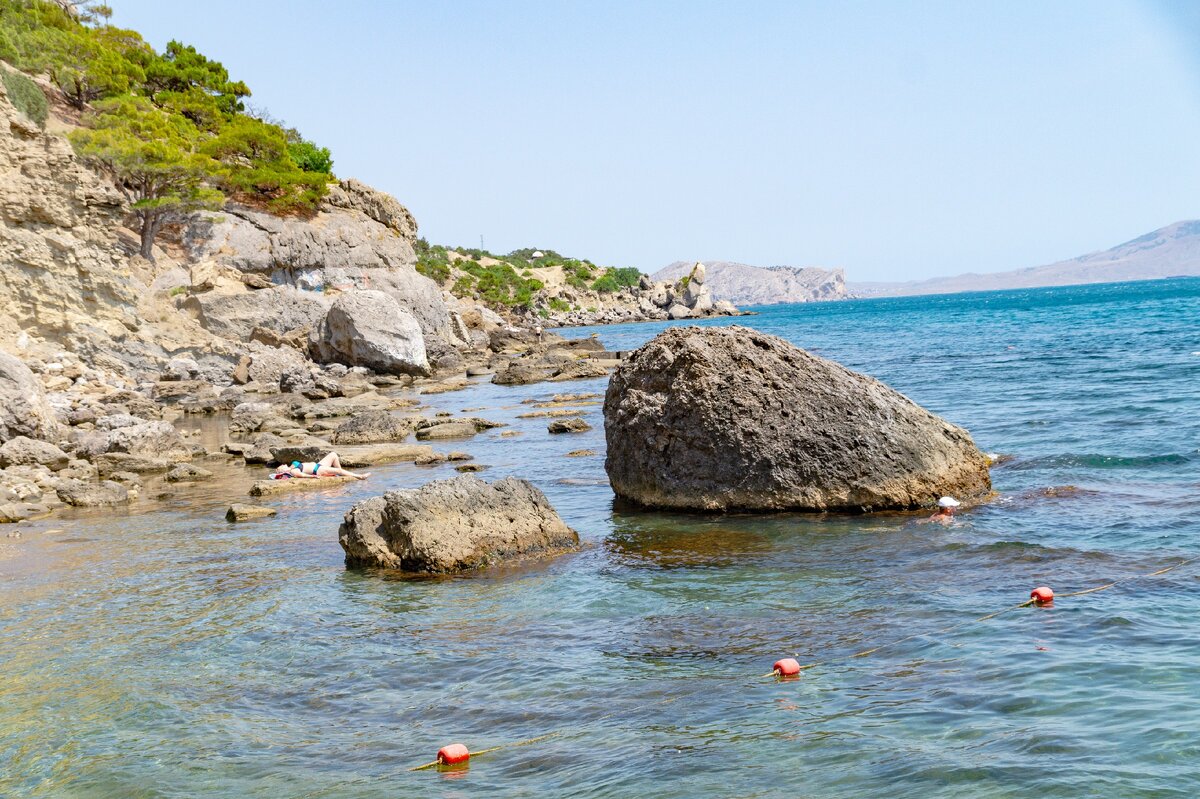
(22, 451)
(24, 410)
(453, 525)
(369, 328)
(730, 419)
(92, 495)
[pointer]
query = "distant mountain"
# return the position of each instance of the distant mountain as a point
(743, 284)
(1171, 251)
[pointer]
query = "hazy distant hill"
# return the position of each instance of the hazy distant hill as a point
(1167, 252)
(743, 284)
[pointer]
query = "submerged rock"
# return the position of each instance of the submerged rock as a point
(453, 525)
(575, 424)
(240, 512)
(187, 473)
(725, 419)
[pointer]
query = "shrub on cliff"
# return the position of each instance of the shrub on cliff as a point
(433, 261)
(308, 156)
(615, 279)
(257, 167)
(26, 96)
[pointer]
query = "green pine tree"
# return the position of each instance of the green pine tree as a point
(154, 158)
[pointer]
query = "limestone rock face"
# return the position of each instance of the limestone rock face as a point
(369, 328)
(60, 268)
(453, 525)
(382, 207)
(361, 239)
(235, 315)
(24, 410)
(730, 419)
(268, 365)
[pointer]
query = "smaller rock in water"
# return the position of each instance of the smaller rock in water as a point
(581, 453)
(92, 495)
(240, 512)
(573, 425)
(187, 473)
(11, 512)
(453, 525)
(372, 427)
(454, 428)
(309, 451)
(471, 467)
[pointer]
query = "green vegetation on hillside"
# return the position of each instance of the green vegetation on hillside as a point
(511, 283)
(615, 279)
(26, 96)
(205, 145)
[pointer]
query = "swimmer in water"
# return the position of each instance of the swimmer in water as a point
(945, 511)
(329, 466)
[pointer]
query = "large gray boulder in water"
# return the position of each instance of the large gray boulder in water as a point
(369, 328)
(730, 419)
(24, 410)
(453, 525)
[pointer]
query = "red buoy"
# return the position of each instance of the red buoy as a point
(788, 667)
(453, 754)
(1042, 595)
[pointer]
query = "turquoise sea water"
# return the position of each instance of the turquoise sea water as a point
(164, 652)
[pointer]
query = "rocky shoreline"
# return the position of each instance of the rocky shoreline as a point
(305, 333)
(86, 444)
(688, 297)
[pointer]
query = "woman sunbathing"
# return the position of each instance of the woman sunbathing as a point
(329, 466)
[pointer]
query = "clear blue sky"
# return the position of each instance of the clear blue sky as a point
(896, 140)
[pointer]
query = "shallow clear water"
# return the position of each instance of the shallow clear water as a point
(164, 652)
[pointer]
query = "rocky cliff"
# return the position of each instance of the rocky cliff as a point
(743, 284)
(280, 321)
(225, 289)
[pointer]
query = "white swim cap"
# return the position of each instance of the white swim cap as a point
(948, 502)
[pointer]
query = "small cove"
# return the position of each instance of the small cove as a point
(164, 652)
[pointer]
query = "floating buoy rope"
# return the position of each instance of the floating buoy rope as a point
(458, 754)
